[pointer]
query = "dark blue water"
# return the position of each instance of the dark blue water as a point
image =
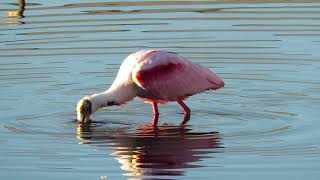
(262, 125)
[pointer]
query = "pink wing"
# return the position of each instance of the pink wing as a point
(165, 76)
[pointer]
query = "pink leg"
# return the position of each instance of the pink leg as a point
(184, 106)
(155, 108)
(155, 114)
(186, 111)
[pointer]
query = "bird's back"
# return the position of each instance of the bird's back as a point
(165, 76)
(146, 57)
(126, 67)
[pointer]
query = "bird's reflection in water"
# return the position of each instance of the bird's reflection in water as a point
(149, 151)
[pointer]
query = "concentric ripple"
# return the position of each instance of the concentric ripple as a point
(262, 124)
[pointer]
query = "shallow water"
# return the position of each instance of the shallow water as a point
(263, 124)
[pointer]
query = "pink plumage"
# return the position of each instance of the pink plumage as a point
(156, 77)
(166, 76)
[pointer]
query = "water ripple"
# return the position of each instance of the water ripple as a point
(264, 122)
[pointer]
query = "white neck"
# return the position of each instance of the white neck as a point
(113, 96)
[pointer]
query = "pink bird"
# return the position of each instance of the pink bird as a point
(156, 77)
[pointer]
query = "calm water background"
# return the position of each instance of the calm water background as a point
(263, 125)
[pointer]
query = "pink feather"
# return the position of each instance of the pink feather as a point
(166, 76)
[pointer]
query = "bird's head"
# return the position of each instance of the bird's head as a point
(84, 110)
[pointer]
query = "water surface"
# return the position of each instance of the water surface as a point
(262, 125)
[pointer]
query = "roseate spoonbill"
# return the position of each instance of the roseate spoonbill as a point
(156, 77)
